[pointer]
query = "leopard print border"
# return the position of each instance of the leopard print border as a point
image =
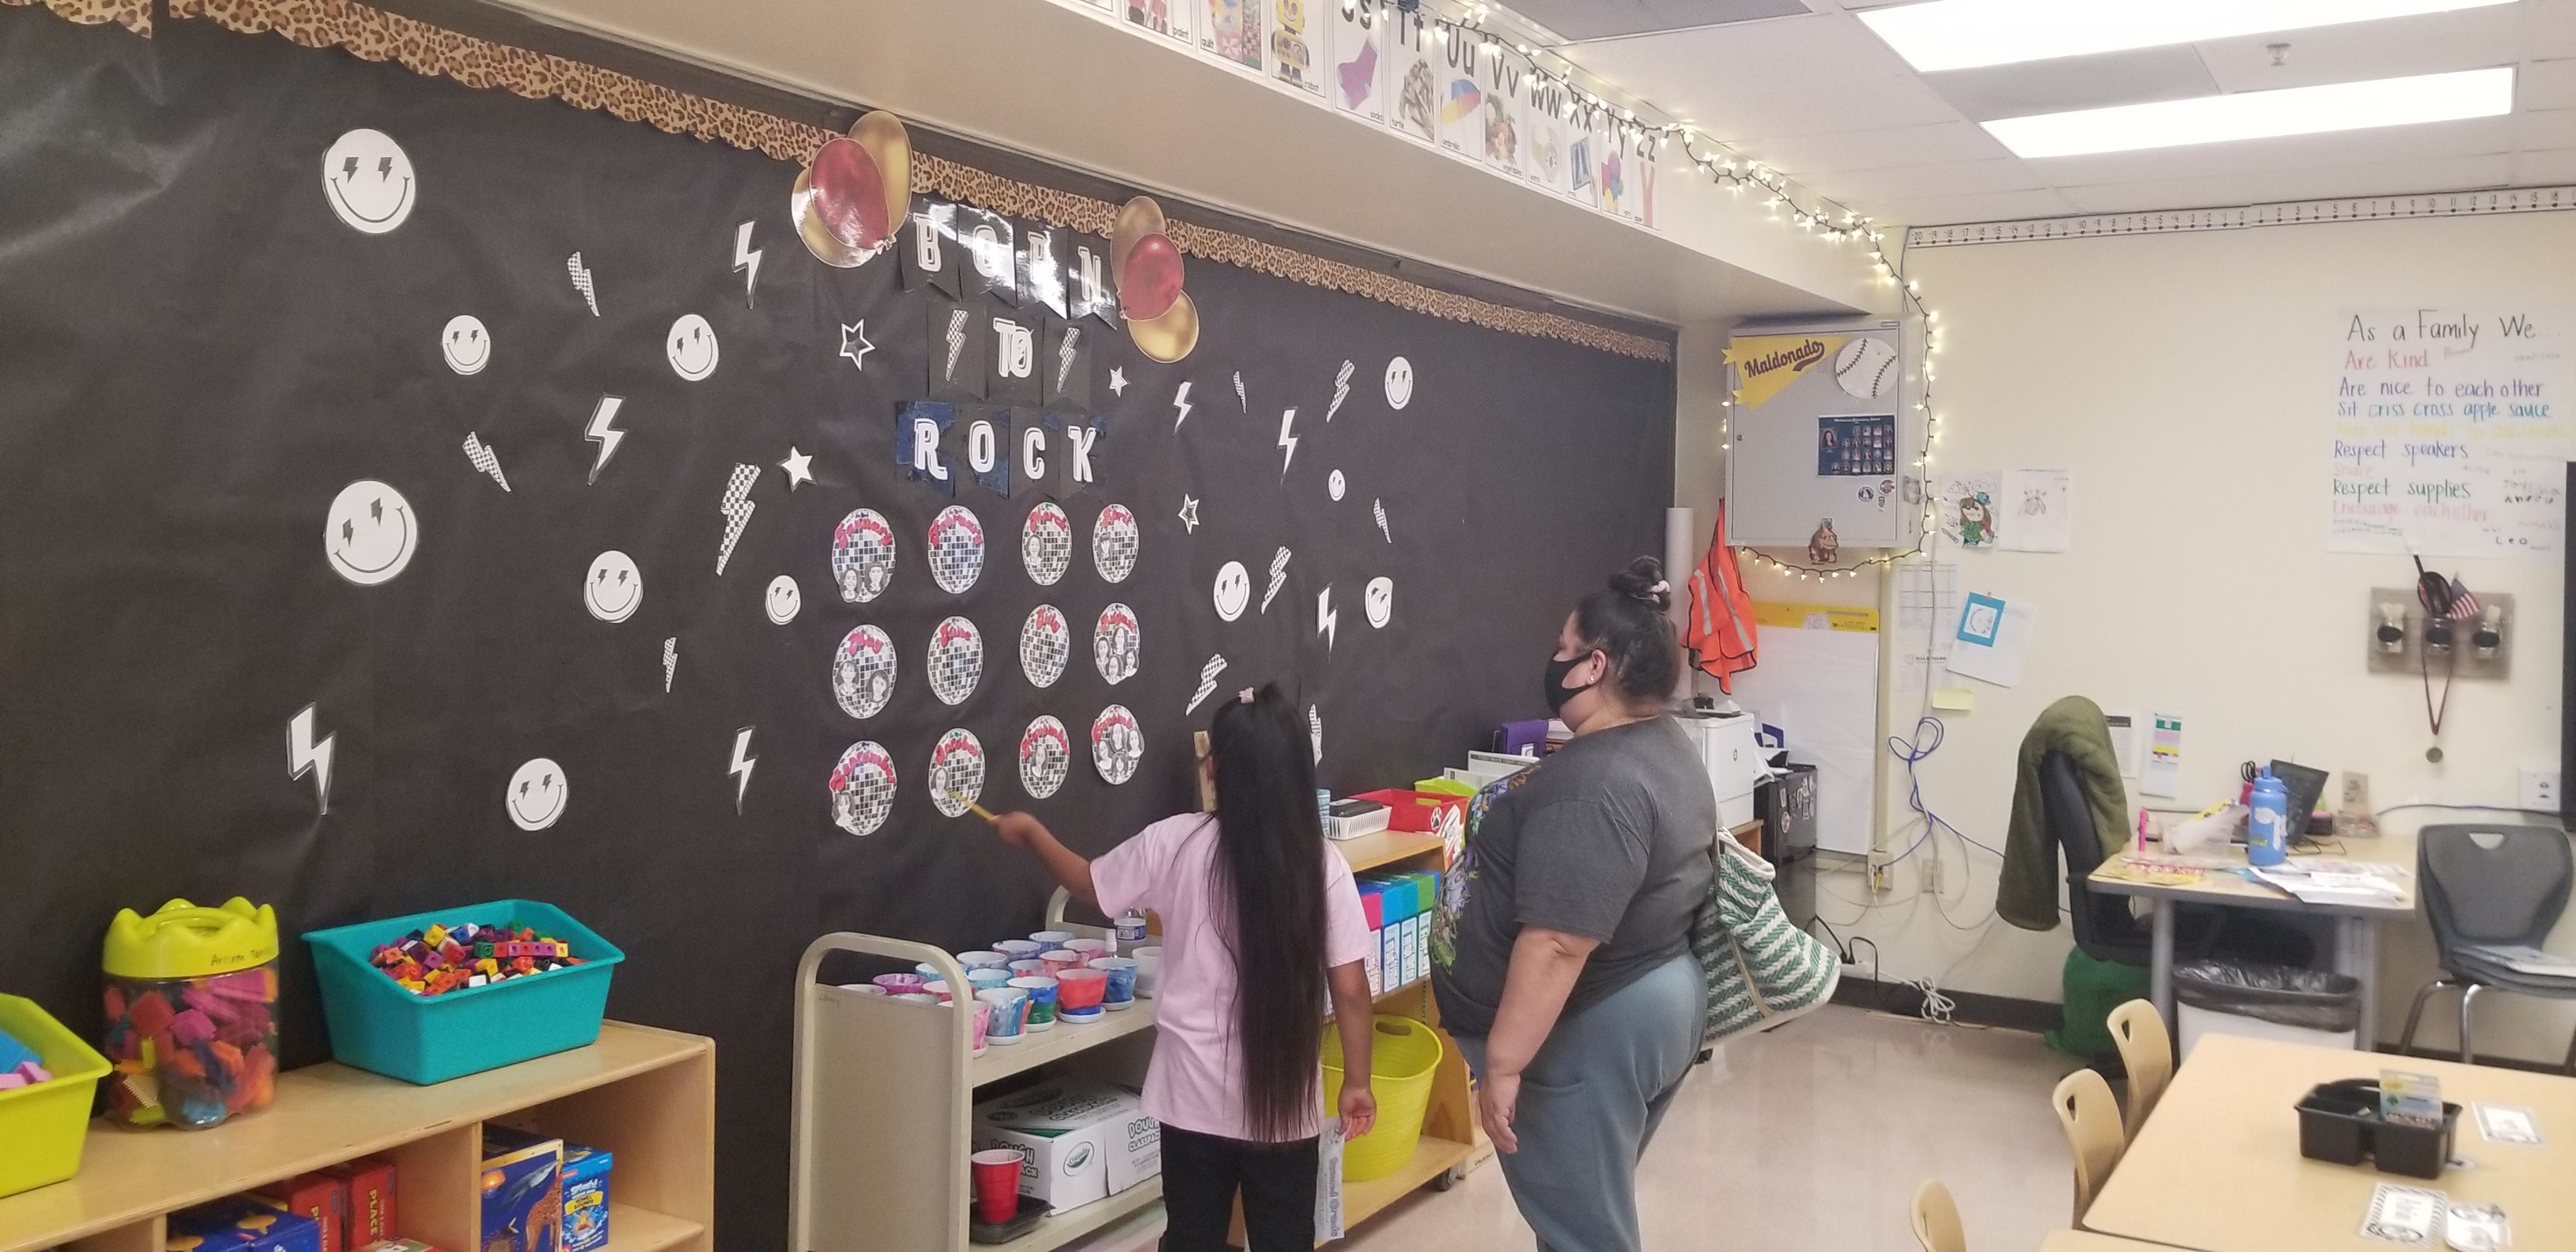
(374, 35)
(133, 15)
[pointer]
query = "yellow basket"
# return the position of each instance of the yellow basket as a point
(42, 1127)
(1404, 1058)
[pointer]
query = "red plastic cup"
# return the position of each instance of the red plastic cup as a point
(1080, 990)
(997, 1185)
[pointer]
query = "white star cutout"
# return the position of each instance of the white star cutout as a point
(855, 345)
(1118, 381)
(799, 467)
(1190, 513)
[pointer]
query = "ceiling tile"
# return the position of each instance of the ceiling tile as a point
(2258, 187)
(2394, 145)
(1691, 73)
(1605, 19)
(1737, 111)
(2389, 48)
(1990, 207)
(2549, 28)
(1913, 182)
(1877, 149)
(2547, 85)
(2065, 83)
(2548, 128)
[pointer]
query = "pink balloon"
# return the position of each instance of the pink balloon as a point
(849, 194)
(1153, 279)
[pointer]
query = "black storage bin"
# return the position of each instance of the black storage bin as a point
(2339, 1123)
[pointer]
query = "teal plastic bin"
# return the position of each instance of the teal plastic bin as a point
(378, 1025)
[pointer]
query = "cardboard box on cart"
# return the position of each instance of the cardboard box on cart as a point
(1079, 1141)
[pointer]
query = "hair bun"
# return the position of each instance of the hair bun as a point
(1643, 580)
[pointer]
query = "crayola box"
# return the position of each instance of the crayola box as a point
(523, 1193)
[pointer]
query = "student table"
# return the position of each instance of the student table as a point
(2222, 882)
(2217, 1166)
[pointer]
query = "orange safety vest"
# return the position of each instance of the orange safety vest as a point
(1721, 632)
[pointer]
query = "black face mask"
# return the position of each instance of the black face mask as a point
(1557, 692)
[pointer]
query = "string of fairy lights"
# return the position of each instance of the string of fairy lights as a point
(1811, 213)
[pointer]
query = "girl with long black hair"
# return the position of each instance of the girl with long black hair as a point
(1260, 920)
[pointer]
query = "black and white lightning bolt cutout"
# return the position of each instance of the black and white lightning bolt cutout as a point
(1287, 441)
(1180, 406)
(304, 755)
(1327, 618)
(603, 431)
(746, 259)
(743, 763)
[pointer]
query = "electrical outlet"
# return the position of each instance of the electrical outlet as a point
(1931, 873)
(2356, 792)
(2540, 790)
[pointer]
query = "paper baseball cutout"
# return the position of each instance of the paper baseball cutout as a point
(464, 345)
(782, 600)
(1046, 643)
(1117, 744)
(369, 534)
(1114, 542)
(863, 672)
(1046, 543)
(614, 589)
(1866, 368)
(1046, 752)
(862, 555)
(691, 346)
(1399, 383)
(956, 772)
(956, 660)
(1379, 600)
(862, 788)
(1233, 590)
(537, 795)
(956, 549)
(1116, 644)
(367, 178)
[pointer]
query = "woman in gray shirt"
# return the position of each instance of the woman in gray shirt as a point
(1566, 974)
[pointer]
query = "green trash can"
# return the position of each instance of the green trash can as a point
(2092, 989)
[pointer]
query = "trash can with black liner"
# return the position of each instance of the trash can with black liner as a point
(2266, 1002)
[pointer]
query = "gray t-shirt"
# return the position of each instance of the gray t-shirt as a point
(1608, 839)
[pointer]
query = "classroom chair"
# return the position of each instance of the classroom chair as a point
(2104, 927)
(1936, 1219)
(2092, 1121)
(2146, 1052)
(2488, 887)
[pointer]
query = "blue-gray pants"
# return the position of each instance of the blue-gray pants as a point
(1589, 1103)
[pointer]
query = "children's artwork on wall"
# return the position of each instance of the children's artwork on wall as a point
(559, 423)
(1971, 502)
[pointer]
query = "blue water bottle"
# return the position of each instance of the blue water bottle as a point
(2267, 827)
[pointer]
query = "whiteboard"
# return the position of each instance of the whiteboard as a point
(1820, 687)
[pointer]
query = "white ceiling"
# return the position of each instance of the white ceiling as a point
(1816, 96)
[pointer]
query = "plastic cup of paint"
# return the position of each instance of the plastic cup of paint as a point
(982, 960)
(1009, 1009)
(1030, 968)
(864, 988)
(1051, 938)
(986, 979)
(1019, 949)
(997, 1185)
(1079, 993)
(1121, 973)
(916, 997)
(1091, 948)
(983, 1025)
(1149, 969)
(1041, 1001)
(1059, 960)
(939, 988)
(899, 984)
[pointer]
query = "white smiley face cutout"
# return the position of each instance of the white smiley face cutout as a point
(691, 347)
(1379, 600)
(614, 589)
(537, 795)
(782, 600)
(370, 533)
(1333, 485)
(1233, 590)
(367, 178)
(465, 345)
(1399, 383)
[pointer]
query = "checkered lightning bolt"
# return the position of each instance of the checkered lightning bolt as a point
(670, 662)
(480, 453)
(1064, 357)
(581, 282)
(1379, 507)
(1207, 683)
(737, 509)
(1341, 389)
(1278, 578)
(956, 339)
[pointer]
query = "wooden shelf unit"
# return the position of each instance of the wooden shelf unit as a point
(882, 1123)
(646, 1095)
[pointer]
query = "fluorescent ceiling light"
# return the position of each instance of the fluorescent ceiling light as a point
(1961, 34)
(2261, 114)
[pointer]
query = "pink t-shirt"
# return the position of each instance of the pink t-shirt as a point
(1170, 868)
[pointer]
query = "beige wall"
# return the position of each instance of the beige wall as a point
(2185, 380)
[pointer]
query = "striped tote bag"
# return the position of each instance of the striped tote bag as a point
(1760, 969)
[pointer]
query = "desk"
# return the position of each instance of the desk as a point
(2087, 1241)
(2356, 926)
(2217, 1166)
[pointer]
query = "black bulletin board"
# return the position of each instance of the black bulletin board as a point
(198, 357)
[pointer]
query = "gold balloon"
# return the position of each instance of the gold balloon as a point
(809, 227)
(883, 135)
(1170, 337)
(1136, 219)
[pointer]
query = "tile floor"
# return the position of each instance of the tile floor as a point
(1812, 1138)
